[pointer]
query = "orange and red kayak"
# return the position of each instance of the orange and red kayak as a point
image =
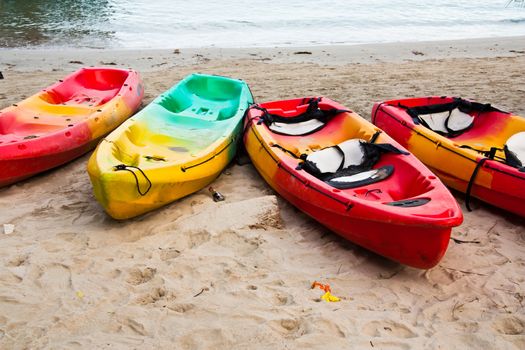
(353, 178)
(65, 120)
(473, 147)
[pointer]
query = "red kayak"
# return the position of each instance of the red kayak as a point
(483, 147)
(353, 178)
(65, 120)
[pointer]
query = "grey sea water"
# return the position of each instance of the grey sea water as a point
(238, 23)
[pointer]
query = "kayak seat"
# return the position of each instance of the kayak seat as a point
(311, 120)
(38, 118)
(193, 106)
(349, 164)
(80, 98)
(297, 129)
(90, 88)
(515, 150)
(448, 119)
(447, 122)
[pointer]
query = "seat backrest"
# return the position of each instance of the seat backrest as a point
(297, 129)
(343, 155)
(448, 121)
(515, 149)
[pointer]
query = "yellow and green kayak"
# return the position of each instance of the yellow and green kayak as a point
(175, 146)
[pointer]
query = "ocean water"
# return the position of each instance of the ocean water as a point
(237, 23)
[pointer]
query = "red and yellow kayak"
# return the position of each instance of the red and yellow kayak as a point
(396, 207)
(473, 160)
(65, 120)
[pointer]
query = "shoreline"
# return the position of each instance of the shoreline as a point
(154, 59)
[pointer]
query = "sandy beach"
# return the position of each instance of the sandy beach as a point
(237, 274)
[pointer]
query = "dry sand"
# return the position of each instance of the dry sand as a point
(236, 274)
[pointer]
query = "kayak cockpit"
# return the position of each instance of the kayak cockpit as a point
(154, 140)
(90, 87)
(205, 99)
(391, 177)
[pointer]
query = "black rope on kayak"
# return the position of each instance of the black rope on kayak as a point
(375, 112)
(248, 122)
(286, 150)
(490, 156)
(125, 167)
(312, 112)
(455, 152)
(486, 153)
(374, 137)
(184, 168)
(348, 204)
(415, 118)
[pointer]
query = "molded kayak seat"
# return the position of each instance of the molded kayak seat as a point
(297, 129)
(444, 122)
(450, 119)
(203, 109)
(341, 156)
(203, 99)
(308, 118)
(349, 164)
(515, 150)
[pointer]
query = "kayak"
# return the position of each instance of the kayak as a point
(353, 178)
(175, 146)
(484, 147)
(65, 120)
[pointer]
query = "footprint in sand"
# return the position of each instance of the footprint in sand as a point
(181, 307)
(191, 239)
(242, 246)
(327, 327)
(151, 297)
(55, 277)
(17, 261)
(388, 328)
(509, 325)
(135, 326)
(269, 220)
(281, 299)
(168, 253)
(139, 276)
(10, 277)
(289, 327)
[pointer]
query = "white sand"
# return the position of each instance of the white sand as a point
(236, 274)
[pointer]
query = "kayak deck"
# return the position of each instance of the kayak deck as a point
(71, 101)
